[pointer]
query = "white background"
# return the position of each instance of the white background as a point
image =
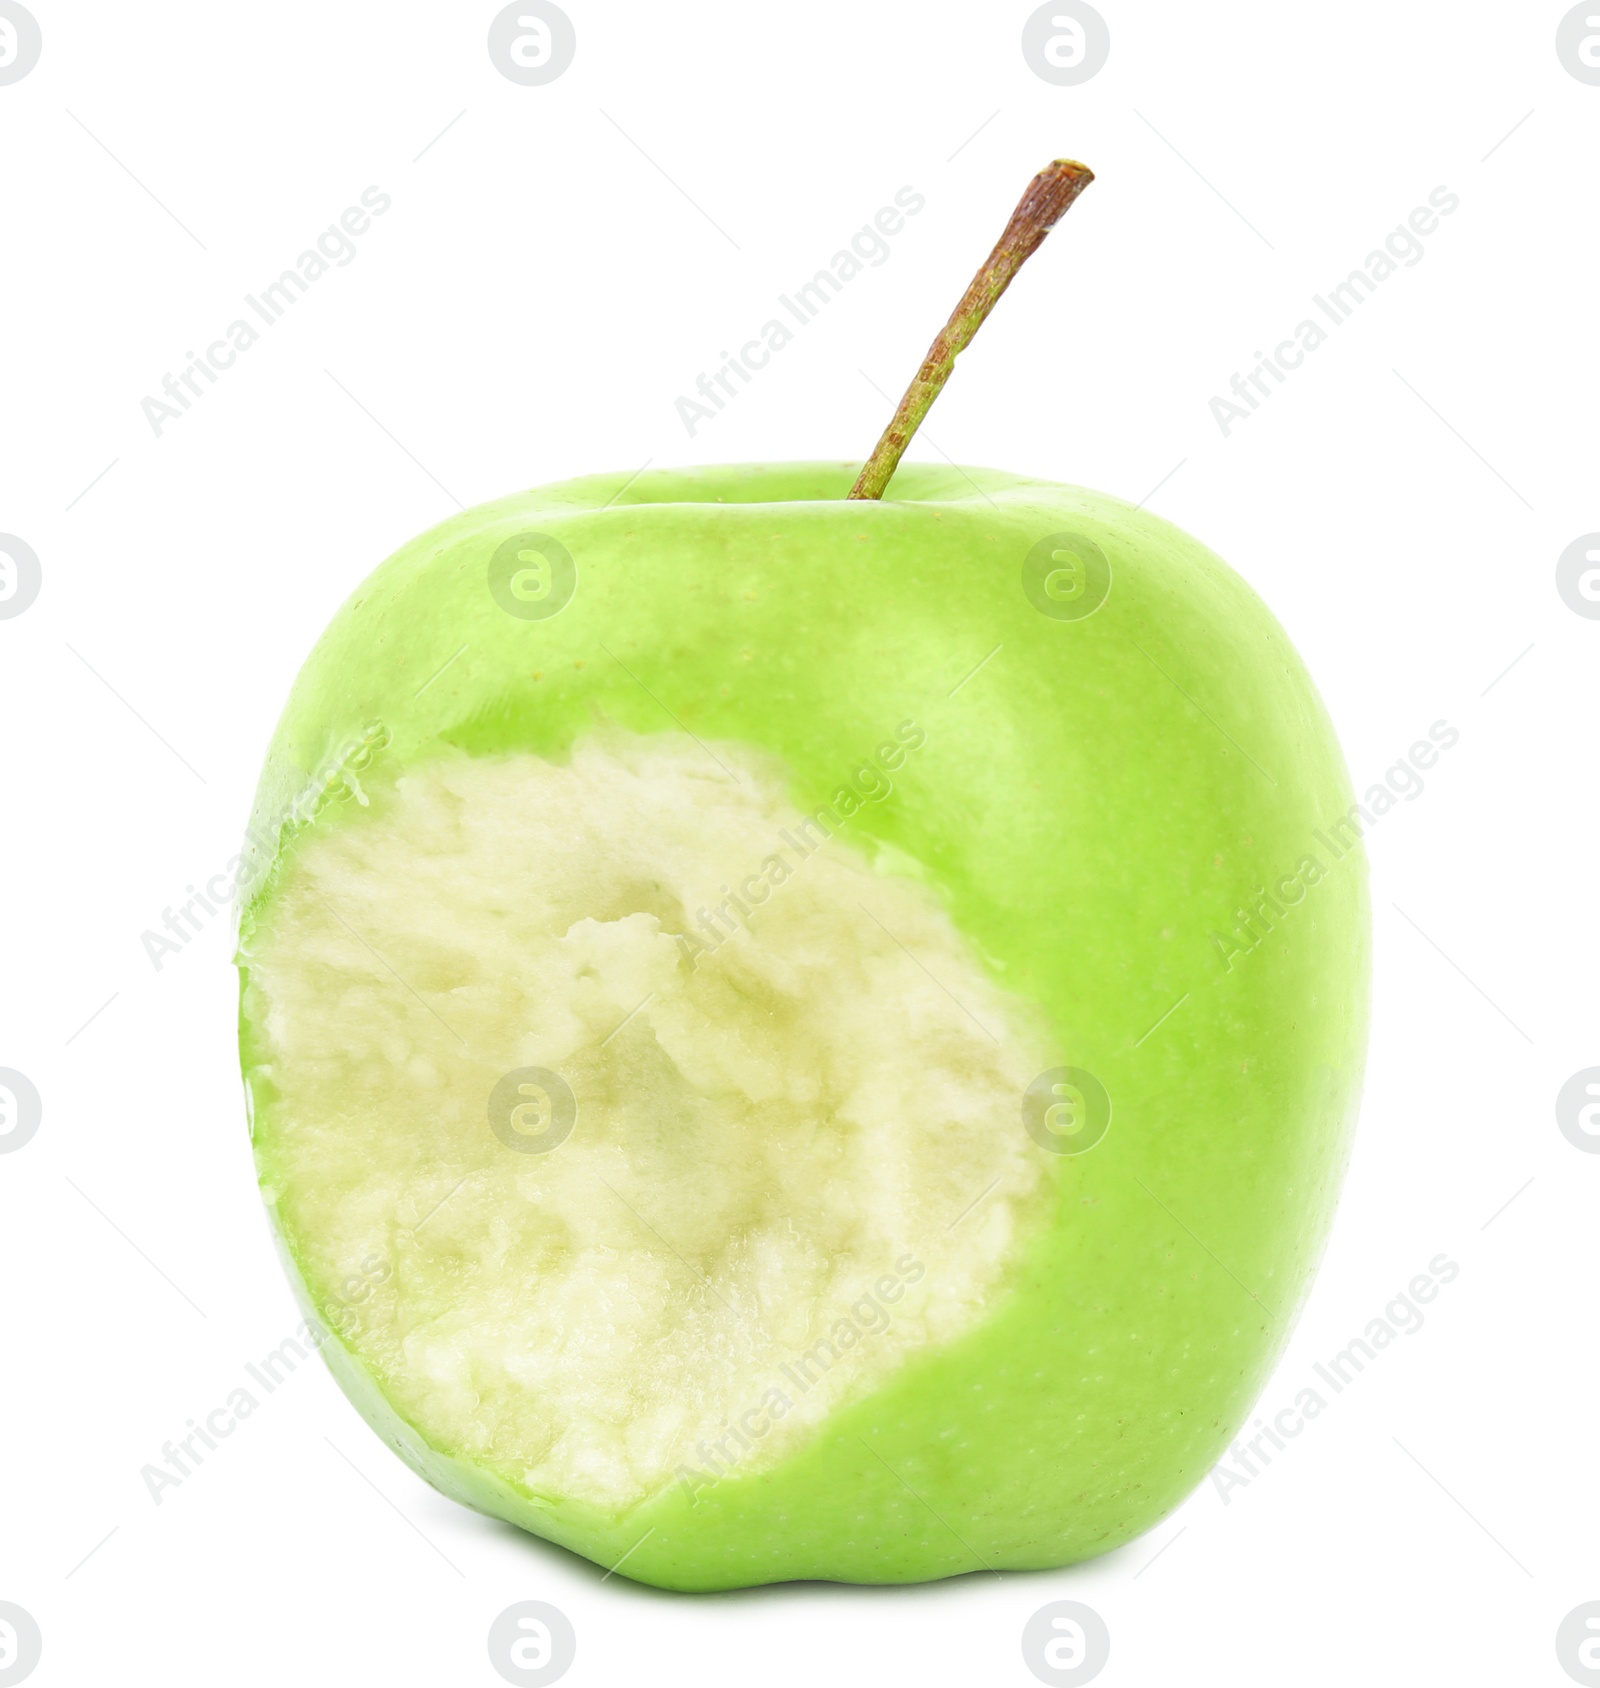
(557, 267)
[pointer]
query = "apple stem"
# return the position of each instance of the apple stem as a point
(1046, 201)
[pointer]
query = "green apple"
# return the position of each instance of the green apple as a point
(803, 1036)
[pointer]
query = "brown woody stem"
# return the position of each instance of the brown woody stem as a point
(1046, 201)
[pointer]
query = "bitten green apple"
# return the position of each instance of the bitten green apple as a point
(794, 1035)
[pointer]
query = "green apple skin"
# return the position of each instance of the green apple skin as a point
(1095, 804)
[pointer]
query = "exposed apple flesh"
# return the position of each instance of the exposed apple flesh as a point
(770, 1113)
